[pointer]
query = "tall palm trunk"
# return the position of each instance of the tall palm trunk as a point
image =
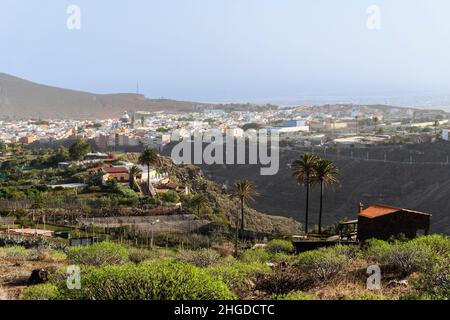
(132, 182)
(148, 177)
(242, 216)
(307, 205)
(236, 238)
(321, 206)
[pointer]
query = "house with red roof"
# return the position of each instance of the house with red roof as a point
(120, 174)
(383, 222)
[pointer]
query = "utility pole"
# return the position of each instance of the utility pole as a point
(153, 225)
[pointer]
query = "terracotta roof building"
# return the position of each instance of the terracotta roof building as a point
(120, 174)
(382, 222)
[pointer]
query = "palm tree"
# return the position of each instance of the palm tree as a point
(325, 173)
(15, 147)
(435, 125)
(245, 191)
(303, 171)
(375, 121)
(147, 158)
(199, 201)
(134, 172)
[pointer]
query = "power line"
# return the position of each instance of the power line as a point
(339, 156)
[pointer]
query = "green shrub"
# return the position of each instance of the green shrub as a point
(237, 275)
(439, 244)
(255, 255)
(283, 258)
(156, 280)
(434, 283)
(321, 265)
(407, 257)
(44, 253)
(57, 255)
(350, 251)
(282, 281)
(98, 254)
(366, 295)
(415, 295)
(199, 258)
(171, 197)
(45, 291)
(294, 295)
(138, 255)
(376, 250)
(39, 254)
(277, 245)
(14, 252)
(93, 189)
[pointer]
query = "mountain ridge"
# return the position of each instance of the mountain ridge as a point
(20, 98)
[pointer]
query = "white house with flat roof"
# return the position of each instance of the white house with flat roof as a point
(445, 134)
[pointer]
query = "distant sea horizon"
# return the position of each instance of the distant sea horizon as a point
(441, 102)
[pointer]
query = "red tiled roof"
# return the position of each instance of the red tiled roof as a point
(115, 170)
(110, 169)
(378, 210)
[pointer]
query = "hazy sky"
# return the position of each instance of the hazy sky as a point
(216, 50)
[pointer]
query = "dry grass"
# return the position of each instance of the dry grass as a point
(352, 281)
(16, 267)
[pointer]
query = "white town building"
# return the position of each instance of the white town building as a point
(445, 134)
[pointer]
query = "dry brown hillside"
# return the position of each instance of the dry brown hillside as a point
(420, 185)
(21, 98)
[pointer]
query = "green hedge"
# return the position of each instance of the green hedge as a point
(45, 291)
(277, 245)
(199, 258)
(255, 255)
(420, 254)
(321, 265)
(295, 295)
(236, 274)
(98, 254)
(433, 283)
(146, 281)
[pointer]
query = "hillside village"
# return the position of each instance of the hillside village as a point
(308, 125)
(81, 191)
(224, 159)
(80, 205)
